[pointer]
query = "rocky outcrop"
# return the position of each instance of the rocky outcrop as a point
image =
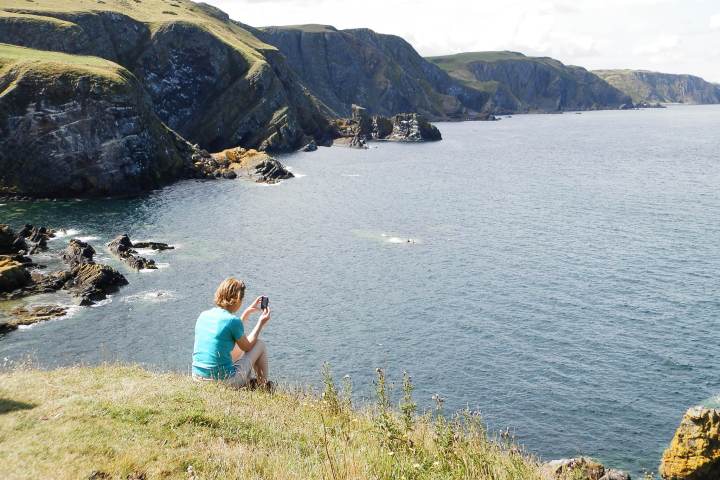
(694, 453)
(581, 468)
(245, 163)
(80, 128)
(517, 83)
(25, 316)
(384, 73)
(92, 282)
(78, 253)
(651, 88)
(361, 127)
(209, 78)
(123, 248)
(13, 275)
(159, 246)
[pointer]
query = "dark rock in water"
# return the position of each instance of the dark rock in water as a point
(310, 147)
(153, 245)
(123, 248)
(78, 252)
(23, 316)
(271, 171)
(92, 282)
(9, 241)
(358, 141)
(13, 275)
(404, 127)
(411, 127)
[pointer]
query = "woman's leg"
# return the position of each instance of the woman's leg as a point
(256, 359)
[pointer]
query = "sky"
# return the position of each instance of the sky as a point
(673, 36)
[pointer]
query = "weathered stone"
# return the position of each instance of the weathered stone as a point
(78, 252)
(411, 127)
(694, 453)
(613, 474)
(248, 163)
(123, 248)
(310, 147)
(581, 468)
(24, 316)
(8, 239)
(13, 275)
(92, 282)
(153, 245)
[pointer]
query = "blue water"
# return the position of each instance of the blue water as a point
(563, 277)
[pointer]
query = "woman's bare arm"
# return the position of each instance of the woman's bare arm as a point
(247, 342)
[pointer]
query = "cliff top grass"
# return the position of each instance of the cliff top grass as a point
(52, 64)
(155, 13)
(308, 28)
(124, 422)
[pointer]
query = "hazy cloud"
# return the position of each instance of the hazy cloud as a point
(715, 21)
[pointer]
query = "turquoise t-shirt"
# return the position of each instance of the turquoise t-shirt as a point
(216, 332)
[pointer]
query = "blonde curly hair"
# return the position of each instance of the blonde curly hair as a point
(230, 292)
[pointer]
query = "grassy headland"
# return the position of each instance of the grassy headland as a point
(125, 422)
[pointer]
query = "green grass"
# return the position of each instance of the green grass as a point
(50, 64)
(154, 13)
(124, 421)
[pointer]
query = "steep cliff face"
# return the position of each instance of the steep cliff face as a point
(80, 126)
(209, 78)
(653, 87)
(694, 453)
(516, 83)
(383, 73)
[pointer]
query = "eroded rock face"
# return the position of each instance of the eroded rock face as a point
(405, 127)
(13, 275)
(210, 79)
(123, 248)
(694, 453)
(92, 282)
(581, 468)
(75, 133)
(24, 316)
(77, 253)
(245, 163)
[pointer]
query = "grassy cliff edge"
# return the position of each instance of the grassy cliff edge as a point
(117, 421)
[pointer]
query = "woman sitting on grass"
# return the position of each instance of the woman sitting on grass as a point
(222, 350)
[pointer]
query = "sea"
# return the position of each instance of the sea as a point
(560, 274)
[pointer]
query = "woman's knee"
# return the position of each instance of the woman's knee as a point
(260, 346)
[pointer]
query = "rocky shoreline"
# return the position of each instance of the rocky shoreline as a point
(86, 281)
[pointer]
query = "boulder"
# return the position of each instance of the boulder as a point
(78, 252)
(7, 240)
(23, 316)
(92, 282)
(411, 127)
(612, 474)
(153, 245)
(310, 147)
(580, 468)
(248, 163)
(694, 453)
(13, 275)
(123, 248)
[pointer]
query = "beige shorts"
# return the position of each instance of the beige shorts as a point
(243, 367)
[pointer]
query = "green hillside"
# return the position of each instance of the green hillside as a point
(127, 423)
(652, 87)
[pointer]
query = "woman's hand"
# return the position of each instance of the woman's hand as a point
(254, 307)
(265, 317)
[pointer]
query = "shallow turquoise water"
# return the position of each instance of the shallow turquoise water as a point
(563, 277)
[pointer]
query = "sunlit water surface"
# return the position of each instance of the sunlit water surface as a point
(562, 273)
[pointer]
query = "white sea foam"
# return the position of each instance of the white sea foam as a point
(155, 296)
(62, 233)
(89, 238)
(146, 252)
(102, 303)
(349, 175)
(396, 240)
(3, 204)
(159, 265)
